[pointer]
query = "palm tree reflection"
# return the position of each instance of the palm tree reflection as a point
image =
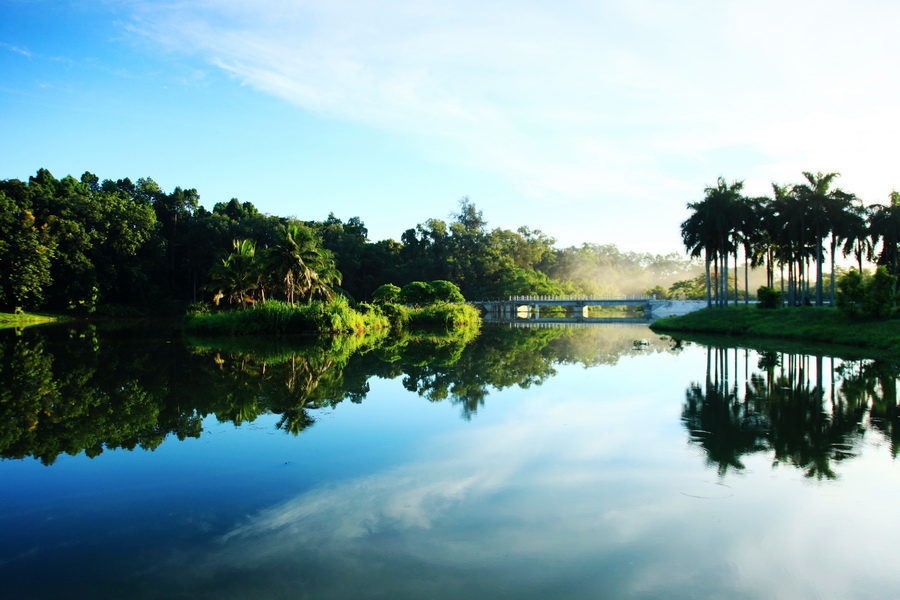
(805, 411)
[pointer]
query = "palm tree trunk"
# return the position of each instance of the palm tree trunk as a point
(792, 282)
(782, 279)
(724, 280)
(708, 284)
(819, 272)
(736, 293)
(716, 279)
(833, 243)
(746, 277)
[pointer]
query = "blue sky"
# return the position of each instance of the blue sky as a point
(593, 121)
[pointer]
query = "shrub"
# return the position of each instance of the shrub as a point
(444, 291)
(871, 298)
(397, 314)
(768, 297)
(274, 316)
(416, 292)
(387, 293)
(878, 301)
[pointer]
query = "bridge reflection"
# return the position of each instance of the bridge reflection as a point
(567, 309)
(577, 309)
(577, 322)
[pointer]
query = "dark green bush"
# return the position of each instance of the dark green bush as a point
(768, 297)
(417, 293)
(867, 297)
(879, 296)
(387, 293)
(444, 291)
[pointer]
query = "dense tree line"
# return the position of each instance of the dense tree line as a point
(794, 232)
(85, 244)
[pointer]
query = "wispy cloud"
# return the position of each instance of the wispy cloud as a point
(559, 491)
(16, 49)
(638, 100)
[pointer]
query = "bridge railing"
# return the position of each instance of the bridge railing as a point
(571, 298)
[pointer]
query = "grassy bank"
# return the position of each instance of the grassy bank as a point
(333, 317)
(806, 324)
(21, 319)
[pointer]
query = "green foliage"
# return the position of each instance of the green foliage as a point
(689, 289)
(528, 282)
(658, 292)
(397, 314)
(21, 318)
(300, 264)
(851, 293)
(880, 296)
(445, 317)
(867, 297)
(444, 291)
(79, 244)
(26, 253)
(273, 316)
(416, 293)
(387, 293)
(768, 297)
(421, 293)
(238, 276)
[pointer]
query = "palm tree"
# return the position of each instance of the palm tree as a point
(790, 227)
(824, 207)
(694, 234)
(711, 230)
(301, 264)
(237, 276)
(284, 259)
(846, 221)
(856, 234)
(751, 235)
(323, 275)
(885, 227)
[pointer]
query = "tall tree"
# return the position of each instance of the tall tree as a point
(26, 251)
(823, 207)
(885, 228)
(712, 228)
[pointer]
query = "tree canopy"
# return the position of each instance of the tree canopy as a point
(88, 244)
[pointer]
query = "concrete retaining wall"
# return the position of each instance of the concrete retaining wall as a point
(673, 308)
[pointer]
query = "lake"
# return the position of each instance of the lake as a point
(597, 462)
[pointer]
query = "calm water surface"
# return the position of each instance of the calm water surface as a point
(602, 462)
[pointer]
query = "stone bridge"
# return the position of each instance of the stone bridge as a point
(576, 308)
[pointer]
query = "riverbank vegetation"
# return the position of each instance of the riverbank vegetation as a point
(20, 319)
(125, 248)
(120, 247)
(807, 323)
(333, 317)
(796, 232)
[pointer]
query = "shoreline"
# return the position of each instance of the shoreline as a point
(806, 325)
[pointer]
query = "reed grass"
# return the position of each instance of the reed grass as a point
(444, 317)
(278, 317)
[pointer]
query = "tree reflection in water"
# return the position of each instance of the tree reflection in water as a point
(78, 390)
(803, 409)
(68, 390)
(62, 391)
